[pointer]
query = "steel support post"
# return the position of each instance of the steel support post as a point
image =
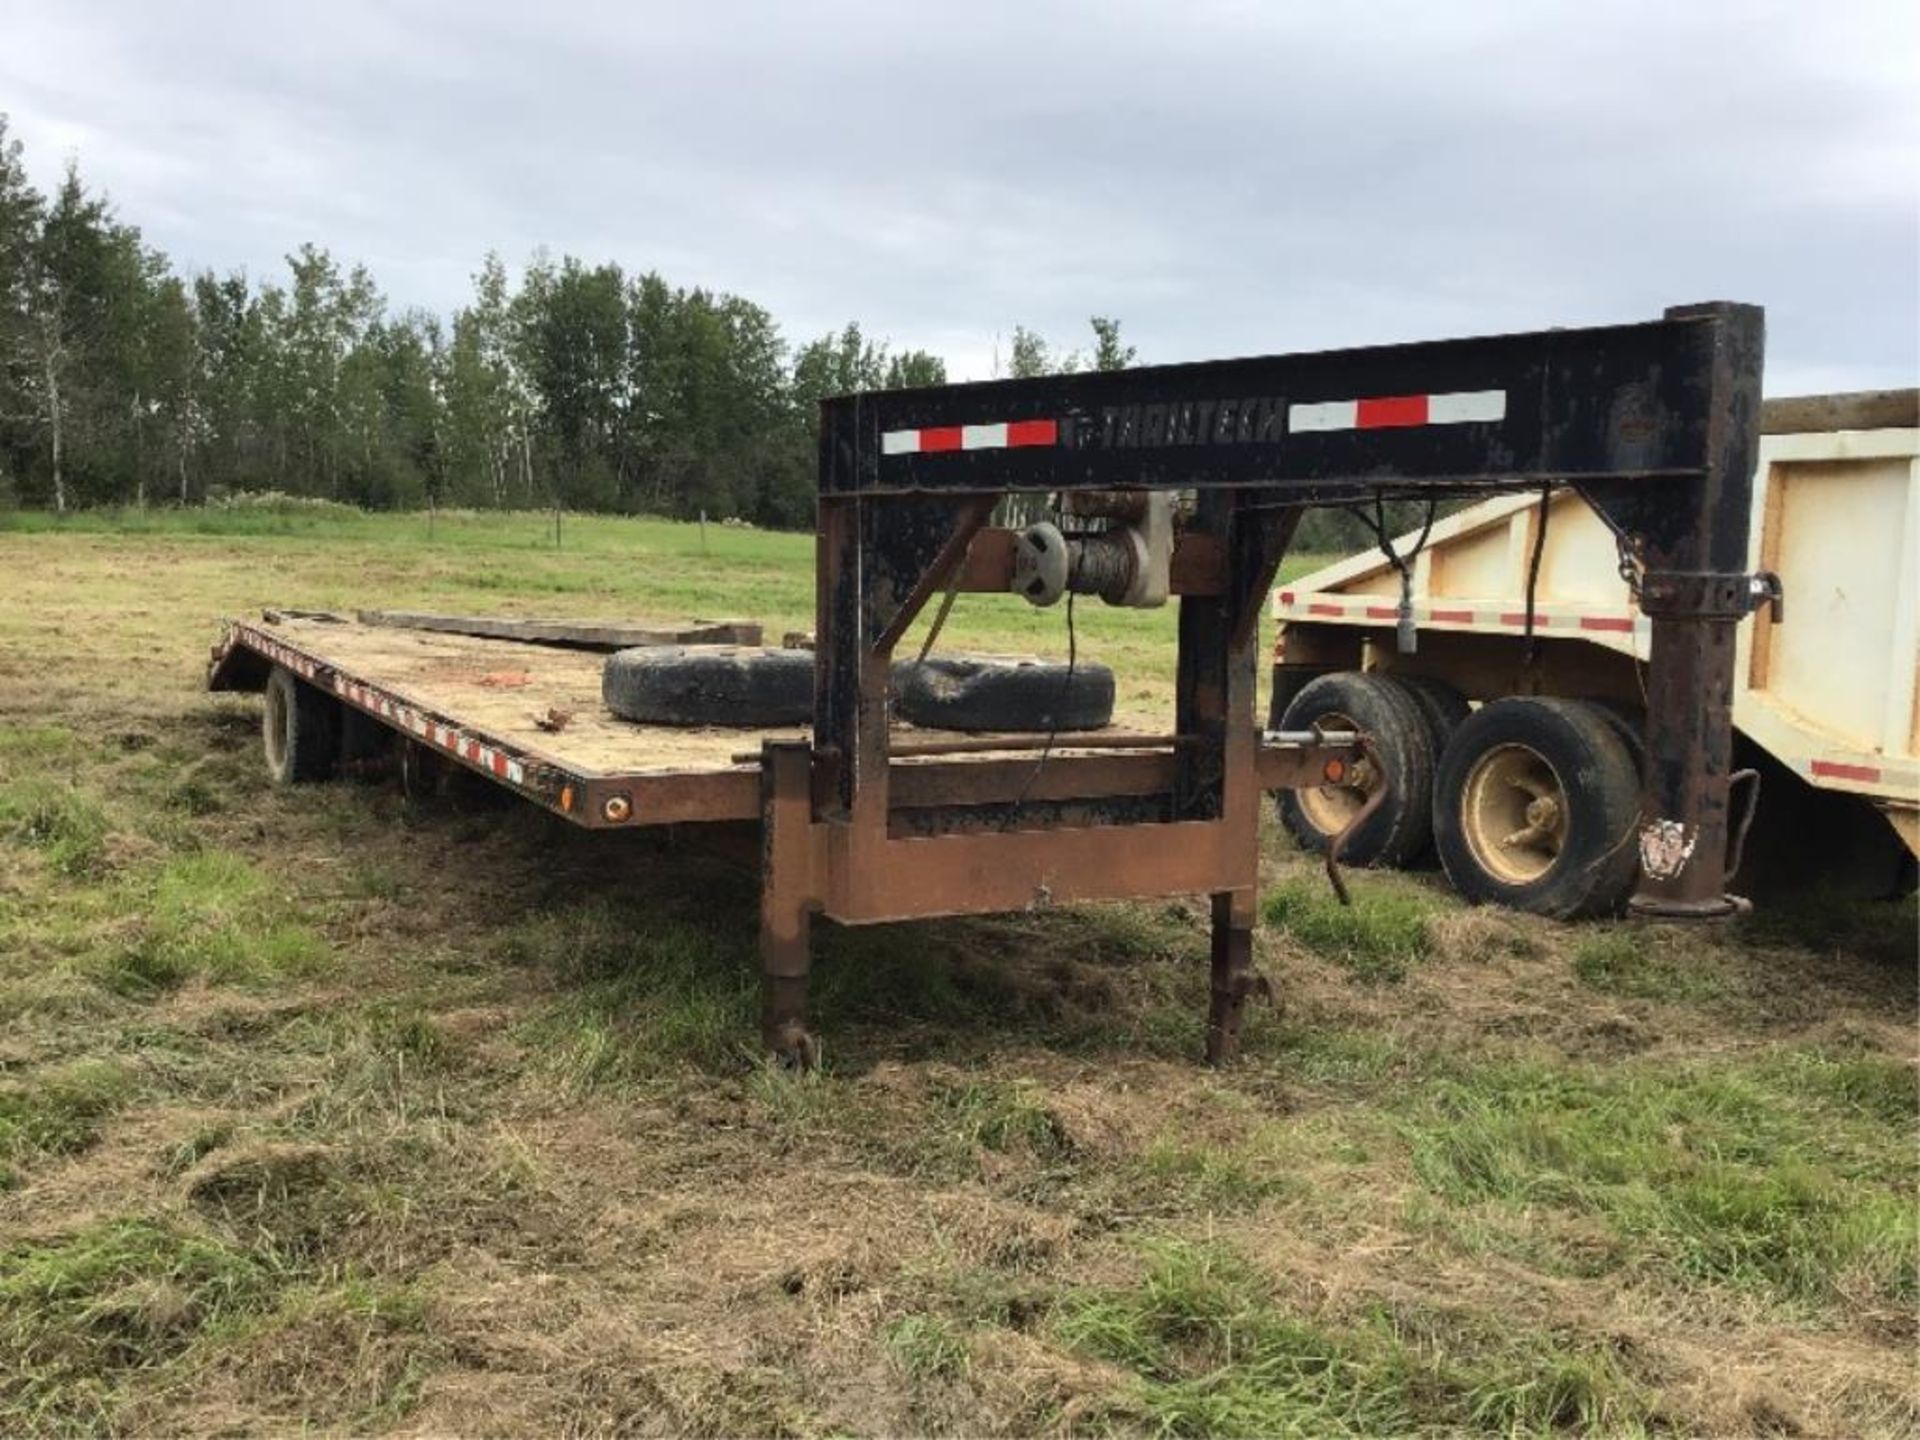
(786, 900)
(1695, 590)
(1233, 977)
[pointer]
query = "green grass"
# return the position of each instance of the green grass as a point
(80, 1314)
(1377, 938)
(1791, 1176)
(57, 1111)
(211, 915)
(1647, 965)
(66, 823)
(638, 996)
(927, 1346)
(1212, 1351)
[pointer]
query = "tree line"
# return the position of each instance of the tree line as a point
(575, 385)
(571, 385)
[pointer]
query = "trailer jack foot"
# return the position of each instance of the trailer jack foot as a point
(1726, 907)
(1234, 977)
(783, 1023)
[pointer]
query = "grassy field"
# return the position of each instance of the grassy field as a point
(322, 1110)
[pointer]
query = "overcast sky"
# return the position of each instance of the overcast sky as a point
(1226, 178)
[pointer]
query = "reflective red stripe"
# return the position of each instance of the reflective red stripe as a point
(1382, 612)
(1389, 412)
(1452, 617)
(1032, 432)
(944, 437)
(1519, 617)
(1325, 610)
(1621, 623)
(1838, 770)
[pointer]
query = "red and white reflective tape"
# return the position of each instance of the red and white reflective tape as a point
(292, 659)
(1398, 412)
(1336, 607)
(494, 761)
(1002, 435)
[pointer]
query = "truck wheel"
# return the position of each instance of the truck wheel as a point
(709, 685)
(300, 728)
(1023, 696)
(1629, 722)
(1399, 830)
(1440, 705)
(1534, 808)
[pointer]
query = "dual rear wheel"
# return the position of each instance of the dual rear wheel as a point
(1528, 802)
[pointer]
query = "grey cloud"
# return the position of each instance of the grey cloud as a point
(1227, 178)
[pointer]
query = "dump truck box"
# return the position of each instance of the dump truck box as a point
(1826, 685)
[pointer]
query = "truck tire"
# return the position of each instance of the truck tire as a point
(721, 685)
(1399, 830)
(1535, 807)
(1629, 722)
(1022, 696)
(1442, 706)
(299, 729)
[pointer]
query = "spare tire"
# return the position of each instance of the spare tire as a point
(1028, 696)
(709, 685)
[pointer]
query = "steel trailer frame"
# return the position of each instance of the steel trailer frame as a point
(1655, 423)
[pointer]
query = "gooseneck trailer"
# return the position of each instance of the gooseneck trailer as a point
(863, 820)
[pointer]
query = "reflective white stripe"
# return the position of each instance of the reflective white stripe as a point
(900, 442)
(1329, 415)
(983, 437)
(1465, 406)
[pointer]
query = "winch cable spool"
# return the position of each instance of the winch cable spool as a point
(1126, 561)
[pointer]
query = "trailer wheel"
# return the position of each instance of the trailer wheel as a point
(1399, 830)
(1534, 808)
(709, 685)
(300, 728)
(1025, 696)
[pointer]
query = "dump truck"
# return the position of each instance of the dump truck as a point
(1176, 484)
(1499, 655)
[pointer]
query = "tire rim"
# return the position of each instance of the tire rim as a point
(274, 728)
(1513, 814)
(1329, 808)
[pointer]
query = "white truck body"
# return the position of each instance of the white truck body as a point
(1832, 691)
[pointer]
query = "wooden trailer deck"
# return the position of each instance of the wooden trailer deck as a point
(529, 716)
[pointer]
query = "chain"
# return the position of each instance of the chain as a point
(1630, 563)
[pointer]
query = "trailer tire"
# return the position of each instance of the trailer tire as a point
(720, 685)
(1399, 830)
(1021, 696)
(1443, 707)
(1535, 806)
(299, 728)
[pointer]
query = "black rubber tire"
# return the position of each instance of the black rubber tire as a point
(722, 685)
(1443, 707)
(299, 729)
(1023, 696)
(1398, 831)
(1629, 722)
(1594, 870)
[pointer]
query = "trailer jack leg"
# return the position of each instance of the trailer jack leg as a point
(786, 805)
(1234, 977)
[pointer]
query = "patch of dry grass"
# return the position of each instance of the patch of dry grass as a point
(324, 1110)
